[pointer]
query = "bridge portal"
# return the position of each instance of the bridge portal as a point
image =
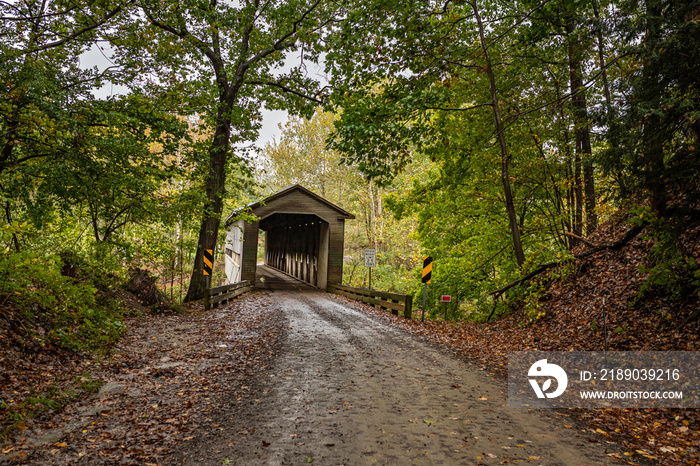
(304, 237)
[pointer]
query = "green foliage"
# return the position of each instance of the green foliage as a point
(669, 269)
(534, 308)
(62, 311)
(654, 142)
(391, 273)
(87, 384)
(54, 398)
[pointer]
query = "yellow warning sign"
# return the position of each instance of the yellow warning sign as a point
(208, 261)
(427, 269)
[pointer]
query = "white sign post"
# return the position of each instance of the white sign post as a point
(370, 261)
(370, 257)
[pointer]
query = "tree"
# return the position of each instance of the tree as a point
(505, 158)
(403, 74)
(658, 135)
(226, 60)
(568, 21)
(61, 148)
(301, 156)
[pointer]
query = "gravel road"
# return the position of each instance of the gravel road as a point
(348, 389)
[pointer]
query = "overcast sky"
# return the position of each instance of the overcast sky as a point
(271, 118)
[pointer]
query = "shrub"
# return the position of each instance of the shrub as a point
(60, 310)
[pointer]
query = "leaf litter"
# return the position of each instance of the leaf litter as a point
(158, 386)
(572, 321)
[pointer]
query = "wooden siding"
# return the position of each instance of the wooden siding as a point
(250, 250)
(335, 251)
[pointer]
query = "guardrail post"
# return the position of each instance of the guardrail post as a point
(409, 306)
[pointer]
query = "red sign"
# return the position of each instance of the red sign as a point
(446, 298)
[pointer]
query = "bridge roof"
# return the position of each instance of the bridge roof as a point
(252, 207)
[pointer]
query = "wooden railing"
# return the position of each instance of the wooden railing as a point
(214, 296)
(396, 302)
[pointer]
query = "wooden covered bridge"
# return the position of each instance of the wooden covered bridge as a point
(304, 238)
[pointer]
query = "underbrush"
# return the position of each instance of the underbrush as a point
(58, 302)
(59, 313)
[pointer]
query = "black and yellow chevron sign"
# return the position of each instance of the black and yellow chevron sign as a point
(427, 269)
(208, 261)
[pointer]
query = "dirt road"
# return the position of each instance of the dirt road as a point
(289, 375)
(348, 389)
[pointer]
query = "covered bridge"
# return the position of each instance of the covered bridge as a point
(304, 237)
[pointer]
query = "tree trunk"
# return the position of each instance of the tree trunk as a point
(8, 214)
(578, 188)
(589, 187)
(568, 176)
(213, 208)
(505, 158)
(583, 136)
(601, 60)
(652, 140)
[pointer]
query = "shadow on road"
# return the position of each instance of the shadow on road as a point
(267, 278)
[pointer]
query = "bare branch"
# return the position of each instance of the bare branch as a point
(615, 245)
(285, 89)
(583, 240)
(184, 34)
(77, 33)
(489, 104)
(282, 43)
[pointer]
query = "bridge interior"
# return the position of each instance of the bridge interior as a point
(268, 278)
(297, 244)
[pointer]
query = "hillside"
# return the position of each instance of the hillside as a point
(570, 309)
